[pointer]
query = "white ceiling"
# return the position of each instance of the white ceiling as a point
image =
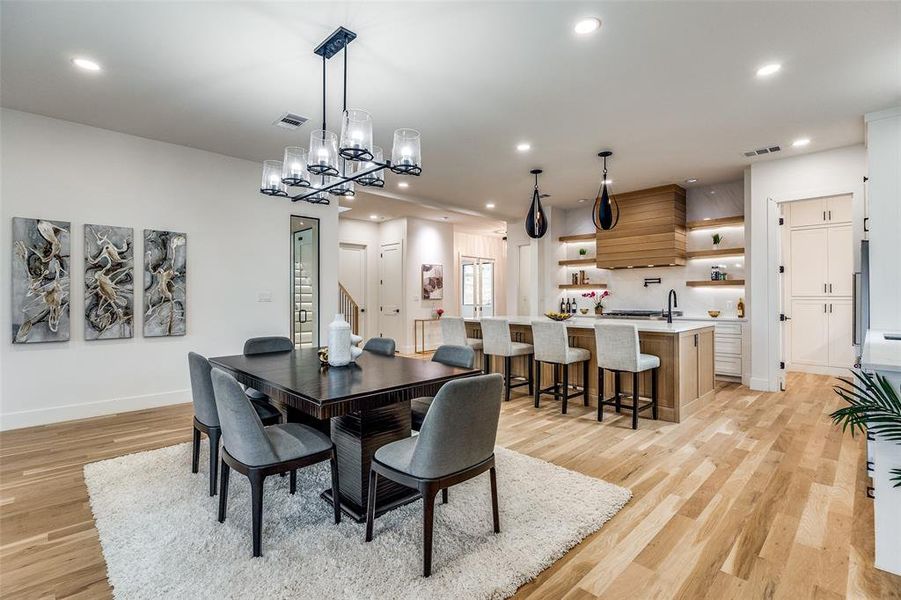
(669, 86)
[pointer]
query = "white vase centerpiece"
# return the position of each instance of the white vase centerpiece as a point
(341, 349)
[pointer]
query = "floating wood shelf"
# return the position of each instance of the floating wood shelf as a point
(582, 237)
(716, 252)
(578, 261)
(706, 283)
(583, 286)
(721, 222)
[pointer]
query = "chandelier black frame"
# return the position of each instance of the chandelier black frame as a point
(332, 45)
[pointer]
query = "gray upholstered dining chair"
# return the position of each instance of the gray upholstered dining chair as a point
(497, 341)
(552, 346)
(455, 444)
(618, 350)
(206, 417)
(380, 345)
(453, 356)
(453, 333)
(257, 451)
(265, 345)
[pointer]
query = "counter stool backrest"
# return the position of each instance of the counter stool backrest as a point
(496, 337)
(617, 346)
(550, 341)
(453, 331)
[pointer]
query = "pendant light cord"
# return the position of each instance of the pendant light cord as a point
(345, 78)
(323, 97)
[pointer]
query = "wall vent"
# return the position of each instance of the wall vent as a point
(762, 151)
(290, 121)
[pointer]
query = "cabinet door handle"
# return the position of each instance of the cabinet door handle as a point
(824, 308)
(696, 340)
(830, 215)
(830, 288)
(830, 307)
(825, 287)
(824, 215)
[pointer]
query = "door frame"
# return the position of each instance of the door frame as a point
(402, 343)
(318, 294)
(774, 296)
(479, 261)
(364, 308)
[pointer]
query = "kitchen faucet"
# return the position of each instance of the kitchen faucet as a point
(671, 302)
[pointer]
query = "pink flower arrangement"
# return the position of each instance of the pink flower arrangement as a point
(599, 302)
(439, 312)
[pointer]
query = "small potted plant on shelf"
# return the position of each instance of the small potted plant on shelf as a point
(717, 239)
(599, 301)
(583, 251)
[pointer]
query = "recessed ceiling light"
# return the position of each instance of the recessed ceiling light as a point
(523, 147)
(489, 205)
(86, 63)
(587, 25)
(581, 200)
(403, 184)
(691, 180)
(767, 70)
(373, 217)
(800, 142)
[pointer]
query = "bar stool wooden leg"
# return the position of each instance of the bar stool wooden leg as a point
(537, 381)
(654, 393)
(600, 393)
(585, 383)
(617, 388)
(506, 378)
(486, 365)
(531, 374)
(635, 400)
(565, 386)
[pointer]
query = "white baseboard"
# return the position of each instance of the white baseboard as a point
(70, 412)
(817, 369)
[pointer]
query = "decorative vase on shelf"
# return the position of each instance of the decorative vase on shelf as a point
(341, 349)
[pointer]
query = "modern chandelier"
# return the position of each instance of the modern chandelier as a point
(536, 220)
(332, 165)
(605, 213)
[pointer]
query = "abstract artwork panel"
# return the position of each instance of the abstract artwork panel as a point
(432, 282)
(40, 280)
(165, 283)
(109, 282)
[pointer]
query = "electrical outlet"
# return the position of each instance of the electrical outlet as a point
(264, 296)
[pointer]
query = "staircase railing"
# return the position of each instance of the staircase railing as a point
(349, 308)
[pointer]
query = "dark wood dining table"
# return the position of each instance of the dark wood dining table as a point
(362, 406)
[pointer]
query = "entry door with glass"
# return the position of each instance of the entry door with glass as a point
(305, 282)
(477, 275)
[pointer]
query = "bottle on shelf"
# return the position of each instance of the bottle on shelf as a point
(562, 305)
(740, 309)
(567, 308)
(573, 307)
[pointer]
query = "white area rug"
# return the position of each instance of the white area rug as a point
(161, 539)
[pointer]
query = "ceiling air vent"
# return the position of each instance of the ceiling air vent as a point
(290, 121)
(762, 151)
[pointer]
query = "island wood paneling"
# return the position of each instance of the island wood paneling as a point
(650, 232)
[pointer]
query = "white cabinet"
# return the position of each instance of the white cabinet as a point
(840, 260)
(841, 346)
(821, 211)
(808, 267)
(727, 349)
(809, 332)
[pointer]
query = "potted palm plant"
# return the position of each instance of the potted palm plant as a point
(873, 404)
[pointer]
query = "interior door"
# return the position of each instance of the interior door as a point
(352, 275)
(477, 289)
(391, 292)
(810, 332)
(523, 306)
(840, 253)
(841, 344)
(808, 265)
(305, 282)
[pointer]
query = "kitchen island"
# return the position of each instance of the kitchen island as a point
(685, 348)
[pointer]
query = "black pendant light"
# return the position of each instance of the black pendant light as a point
(606, 211)
(536, 221)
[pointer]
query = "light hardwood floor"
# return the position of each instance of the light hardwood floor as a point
(756, 496)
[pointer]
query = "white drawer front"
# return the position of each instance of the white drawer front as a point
(728, 328)
(727, 345)
(727, 365)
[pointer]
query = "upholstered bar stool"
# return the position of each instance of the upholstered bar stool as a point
(618, 350)
(453, 333)
(497, 341)
(552, 347)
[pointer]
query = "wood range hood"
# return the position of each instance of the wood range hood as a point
(650, 232)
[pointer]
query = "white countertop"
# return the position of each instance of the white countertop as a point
(645, 325)
(880, 354)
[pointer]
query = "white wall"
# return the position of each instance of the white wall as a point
(428, 242)
(884, 199)
(238, 245)
(365, 233)
(832, 172)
